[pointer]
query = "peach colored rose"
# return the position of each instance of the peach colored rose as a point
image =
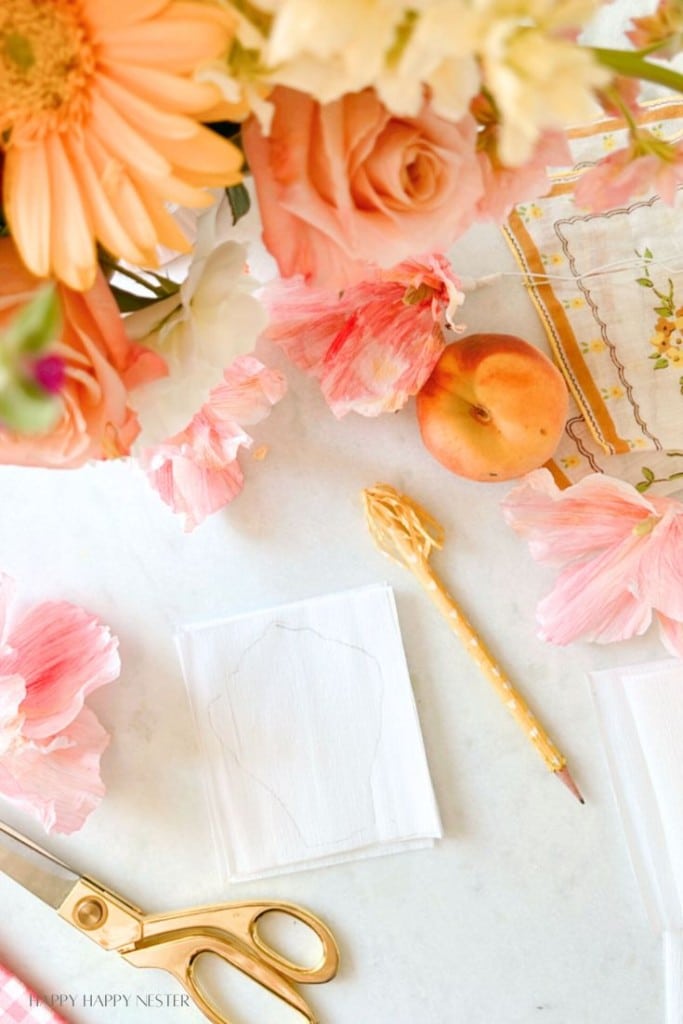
(100, 365)
(348, 183)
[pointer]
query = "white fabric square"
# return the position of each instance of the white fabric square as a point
(310, 733)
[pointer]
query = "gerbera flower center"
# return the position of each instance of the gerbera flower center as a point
(46, 61)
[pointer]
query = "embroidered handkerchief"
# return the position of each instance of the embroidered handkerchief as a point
(609, 290)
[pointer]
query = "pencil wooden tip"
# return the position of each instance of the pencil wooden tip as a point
(564, 776)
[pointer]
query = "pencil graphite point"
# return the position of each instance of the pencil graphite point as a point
(564, 776)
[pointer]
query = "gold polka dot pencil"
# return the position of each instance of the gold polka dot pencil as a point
(407, 533)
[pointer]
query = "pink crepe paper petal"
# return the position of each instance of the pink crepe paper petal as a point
(563, 525)
(373, 346)
(197, 472)
(671, 635)
(198, 476)
(7, 591)
(59, 781)
(594, 600)
(660, 580)
(63, 654)
(50, 745)
(622, 557)
(12, 693)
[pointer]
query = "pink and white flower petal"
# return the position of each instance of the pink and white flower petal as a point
(595, 599)
(63, 653)
(671, 634)
(12, 693)
(196, 472)
(58, 781)
(561, 526)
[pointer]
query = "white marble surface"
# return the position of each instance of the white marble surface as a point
(526, 912)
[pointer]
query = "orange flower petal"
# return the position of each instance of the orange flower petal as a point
(207, 152)
(170, 43)
(122, 141)
(28, 205)
(105, 16)
(73, 251)
(170, 92)
(105, 219)
(123, 197)
(167, 230)
(151, 120)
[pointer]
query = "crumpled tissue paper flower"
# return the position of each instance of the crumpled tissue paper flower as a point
(621, 556)
(375, 344)
(197, 472)
(51, 657)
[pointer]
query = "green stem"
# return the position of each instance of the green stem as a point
(161, 293)
(631, 64)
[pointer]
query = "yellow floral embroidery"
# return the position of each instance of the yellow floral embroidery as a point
(576, 303)
(571, 462)
(667, 340)
(614, 392)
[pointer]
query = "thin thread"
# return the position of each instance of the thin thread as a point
(470, 284)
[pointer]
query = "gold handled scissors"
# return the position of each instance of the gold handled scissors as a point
(173, 942)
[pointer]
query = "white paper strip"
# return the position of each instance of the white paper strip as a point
(641, 716)
(310, 734)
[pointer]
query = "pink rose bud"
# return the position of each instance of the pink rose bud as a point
(49, 373)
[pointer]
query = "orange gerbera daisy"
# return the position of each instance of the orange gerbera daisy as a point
(99, 126)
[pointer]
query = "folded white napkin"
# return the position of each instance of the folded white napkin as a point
(641, 716)
(310, 733)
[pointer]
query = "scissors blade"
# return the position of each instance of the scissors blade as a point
(38, 871)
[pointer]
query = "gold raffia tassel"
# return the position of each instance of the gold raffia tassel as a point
(407, 533)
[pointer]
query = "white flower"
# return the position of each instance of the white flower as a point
(199, 331)
(539, 78)
(433, 48)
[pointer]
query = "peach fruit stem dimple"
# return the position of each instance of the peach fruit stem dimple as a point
(480, 414)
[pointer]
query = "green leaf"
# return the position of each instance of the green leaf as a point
(661, 364)
(27, 409)
(647, 254)
(239, 200)
(645, 282)
(642, 485)
(648, 474)
(35, 325)
(663, 310)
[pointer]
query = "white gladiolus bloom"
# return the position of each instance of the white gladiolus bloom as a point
(199, 331)
(331, 48)
(537, 76)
